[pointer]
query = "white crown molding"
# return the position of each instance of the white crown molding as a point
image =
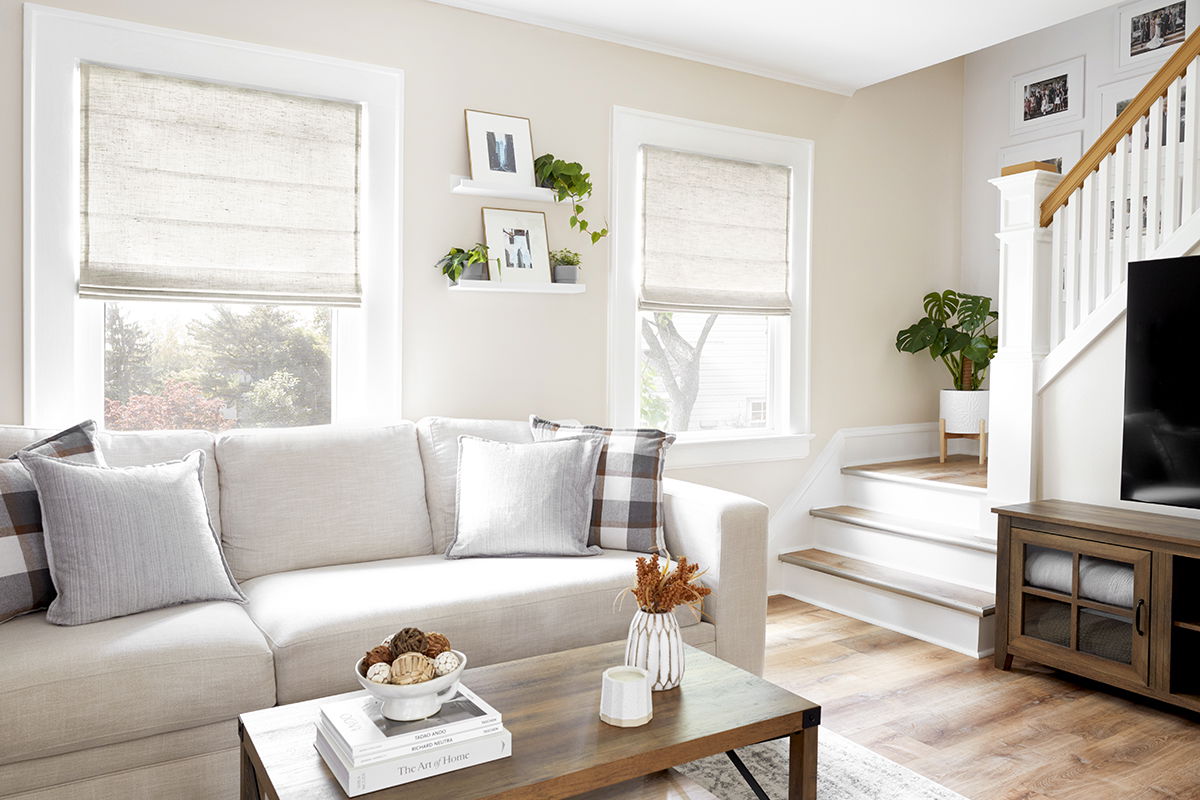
(643, 44)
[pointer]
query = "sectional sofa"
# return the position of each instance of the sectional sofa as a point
(335, 535)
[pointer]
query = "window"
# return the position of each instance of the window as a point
(709, 311)
(255, 189)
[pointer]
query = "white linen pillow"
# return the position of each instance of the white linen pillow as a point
(532, 499)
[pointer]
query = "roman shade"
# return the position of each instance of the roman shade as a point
(203, 191)
(715, 234)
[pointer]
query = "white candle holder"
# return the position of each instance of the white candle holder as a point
(625, 697)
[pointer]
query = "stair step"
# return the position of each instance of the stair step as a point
(949, 595)
(962, 474)
(906, 526)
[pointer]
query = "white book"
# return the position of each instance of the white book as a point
(416, 747)
(361, 730)
(406, 769)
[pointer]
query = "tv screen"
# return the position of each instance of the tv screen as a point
(1160, 451)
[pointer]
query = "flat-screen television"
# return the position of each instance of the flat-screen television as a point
(1160, 451)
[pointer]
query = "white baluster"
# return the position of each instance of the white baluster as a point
(1057, 276)
(1071, 270)
(1137, 226)
(1102, 235)
(1191, 94)
(1154, 177)
(1087, 244)
(1120, 237)
(1171, 176)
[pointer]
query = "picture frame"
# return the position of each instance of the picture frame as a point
(1113, 97)
(517, 245)
(1047, 97)
(500, 149)
(1063, 150)
(1148, 31)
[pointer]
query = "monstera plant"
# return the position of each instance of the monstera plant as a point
(955, 329)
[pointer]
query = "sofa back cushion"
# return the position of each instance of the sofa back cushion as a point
(439, 453)
(294, 498)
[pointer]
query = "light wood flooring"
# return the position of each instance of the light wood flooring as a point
(1029, 734)
(961, 469)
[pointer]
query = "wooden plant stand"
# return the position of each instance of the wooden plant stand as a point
(982, 436)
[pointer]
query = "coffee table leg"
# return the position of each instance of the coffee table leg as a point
(802, 764)
(249, 779)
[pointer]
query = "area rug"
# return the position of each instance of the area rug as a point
(845, 771)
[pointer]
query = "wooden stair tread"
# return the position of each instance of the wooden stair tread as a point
(949, 595)
(907, 526)
(960, 472)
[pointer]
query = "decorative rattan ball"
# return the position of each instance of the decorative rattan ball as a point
(379, 673)
(408, 640)
(411, 668)
(445, 663)
(377, 655)
(436, 644)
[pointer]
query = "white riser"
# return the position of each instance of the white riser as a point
(963, 633)
(923, 501)
(948, 563)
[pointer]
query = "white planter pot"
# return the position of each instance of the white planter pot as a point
(655, 645)
(963, 410)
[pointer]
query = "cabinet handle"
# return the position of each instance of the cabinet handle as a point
(1137, 617)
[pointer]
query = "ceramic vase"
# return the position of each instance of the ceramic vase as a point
(655, 645)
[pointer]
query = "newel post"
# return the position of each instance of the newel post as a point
(1024, 329)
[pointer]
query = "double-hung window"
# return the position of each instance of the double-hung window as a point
(213, 230)
(709, 310)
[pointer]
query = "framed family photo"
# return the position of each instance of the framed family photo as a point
(517, 241)
(1115, 96)
(1149, 30)
(500, 149)
(1048, 96)
(1061, 151)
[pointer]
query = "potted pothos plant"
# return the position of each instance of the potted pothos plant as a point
(467, 264)
(956, 329)
(569, 182)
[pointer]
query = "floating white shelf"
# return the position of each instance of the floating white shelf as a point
(528, 288)
(460, 184)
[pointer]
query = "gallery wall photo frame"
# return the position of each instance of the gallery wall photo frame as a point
(517, 245)
(1148, 31)
(1063, 151)
(500, 148)
(1046, 97)
(1112, 98)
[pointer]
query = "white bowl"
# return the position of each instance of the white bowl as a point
(418, 700)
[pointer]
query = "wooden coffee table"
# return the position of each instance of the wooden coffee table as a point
(561, 748)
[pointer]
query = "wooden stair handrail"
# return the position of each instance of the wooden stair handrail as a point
(1139, 107)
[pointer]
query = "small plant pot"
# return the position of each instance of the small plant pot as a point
(963, 410)
(566, 273)
(475, 272)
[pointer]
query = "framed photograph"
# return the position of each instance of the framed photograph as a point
(1061, 151)
(1048, 96)
(517, 241)
(500, 148)
(1115, 96)
(1149, 30)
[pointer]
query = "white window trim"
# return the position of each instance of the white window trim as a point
(64, 341)
(787, 435)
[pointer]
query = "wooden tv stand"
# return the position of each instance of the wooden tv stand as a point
(1147, 640)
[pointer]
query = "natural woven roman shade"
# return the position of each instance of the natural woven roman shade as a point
(715, 234)
(203, 191)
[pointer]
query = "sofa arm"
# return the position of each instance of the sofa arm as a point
(726, 534)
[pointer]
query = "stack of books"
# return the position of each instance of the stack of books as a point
(367, 752)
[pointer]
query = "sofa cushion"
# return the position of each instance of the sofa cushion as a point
(308, 497)
(438, 437)
(319, 621)
(139, 448)
(128, 677)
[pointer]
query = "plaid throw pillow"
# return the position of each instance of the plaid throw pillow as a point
(627, 500)
(25, 583)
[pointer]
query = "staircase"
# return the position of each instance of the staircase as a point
(907, 551)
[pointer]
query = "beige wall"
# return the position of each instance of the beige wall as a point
(886, 214)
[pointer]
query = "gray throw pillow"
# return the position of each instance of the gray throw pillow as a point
(120, 541)
(529, 499)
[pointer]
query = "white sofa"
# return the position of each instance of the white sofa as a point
(335, 535)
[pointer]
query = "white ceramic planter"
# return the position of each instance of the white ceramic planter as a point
(963, 410)
(655, 645)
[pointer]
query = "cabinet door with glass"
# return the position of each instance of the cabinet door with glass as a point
(1080, 605)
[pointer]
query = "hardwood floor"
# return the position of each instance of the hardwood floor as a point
(1029, 734)
(960, 469)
